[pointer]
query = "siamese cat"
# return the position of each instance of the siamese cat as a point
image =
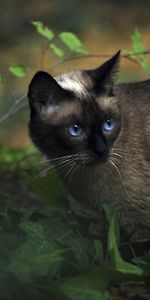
(96, 133)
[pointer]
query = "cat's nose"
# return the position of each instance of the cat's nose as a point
(100, 149)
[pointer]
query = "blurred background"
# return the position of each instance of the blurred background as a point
(103, 27)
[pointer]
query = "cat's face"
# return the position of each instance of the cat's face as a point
(75, 115)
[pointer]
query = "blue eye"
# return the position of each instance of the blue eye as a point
(109, 125)
(75, 130)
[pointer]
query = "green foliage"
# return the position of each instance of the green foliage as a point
(139, 52)
(137, 42)
(43, 30)
(17, 70)
(139, 47)
(117, 262)
(89, 286)
(53, 248)
(93, 284)
(57, 51)
(11, 157)
(73, 42)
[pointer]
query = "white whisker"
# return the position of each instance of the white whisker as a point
(71, 168)
(59, 158)
(62, 163)
(112, 162)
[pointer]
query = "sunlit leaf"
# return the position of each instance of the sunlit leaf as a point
(116, 260)
(138, 47)
(137, 41)
(57, 51)
(73, 42)
(145, 65)
(43, 30)
(17, 70)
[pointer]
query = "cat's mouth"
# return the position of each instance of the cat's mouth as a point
(93, 158)
(67, 163)
(98, 158)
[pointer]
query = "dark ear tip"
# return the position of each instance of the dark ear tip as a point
(116, 56)
(43, 85)
(118, 52)
(41, 81)
(40, 75)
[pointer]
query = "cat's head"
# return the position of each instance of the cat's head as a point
(75, 115)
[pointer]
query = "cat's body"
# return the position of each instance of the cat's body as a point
(108, 161)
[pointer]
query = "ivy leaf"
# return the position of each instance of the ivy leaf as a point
(17, 70)
(116, 260)
(93, 285)
(20, 270)
(33, 229)
(73, 42)
(89, 286)
(57, 51)
(43, 30)
(44, 264)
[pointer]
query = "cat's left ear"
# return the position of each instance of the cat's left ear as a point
(104, 77)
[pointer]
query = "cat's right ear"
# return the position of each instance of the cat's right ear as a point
(104, 77)
(43, 90)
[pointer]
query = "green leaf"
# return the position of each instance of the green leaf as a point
(137, 41)
(93, 285)
(145, 65)
(46, 264)
(73, 42)
(138, 47)
(116, 260)
(20, 270)
(9, 241)
(43, 30)
(57, 51)
(38, 255)
(33, 229)
(82, 251)
(109, 211)
(85, 287)
(17, 70)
